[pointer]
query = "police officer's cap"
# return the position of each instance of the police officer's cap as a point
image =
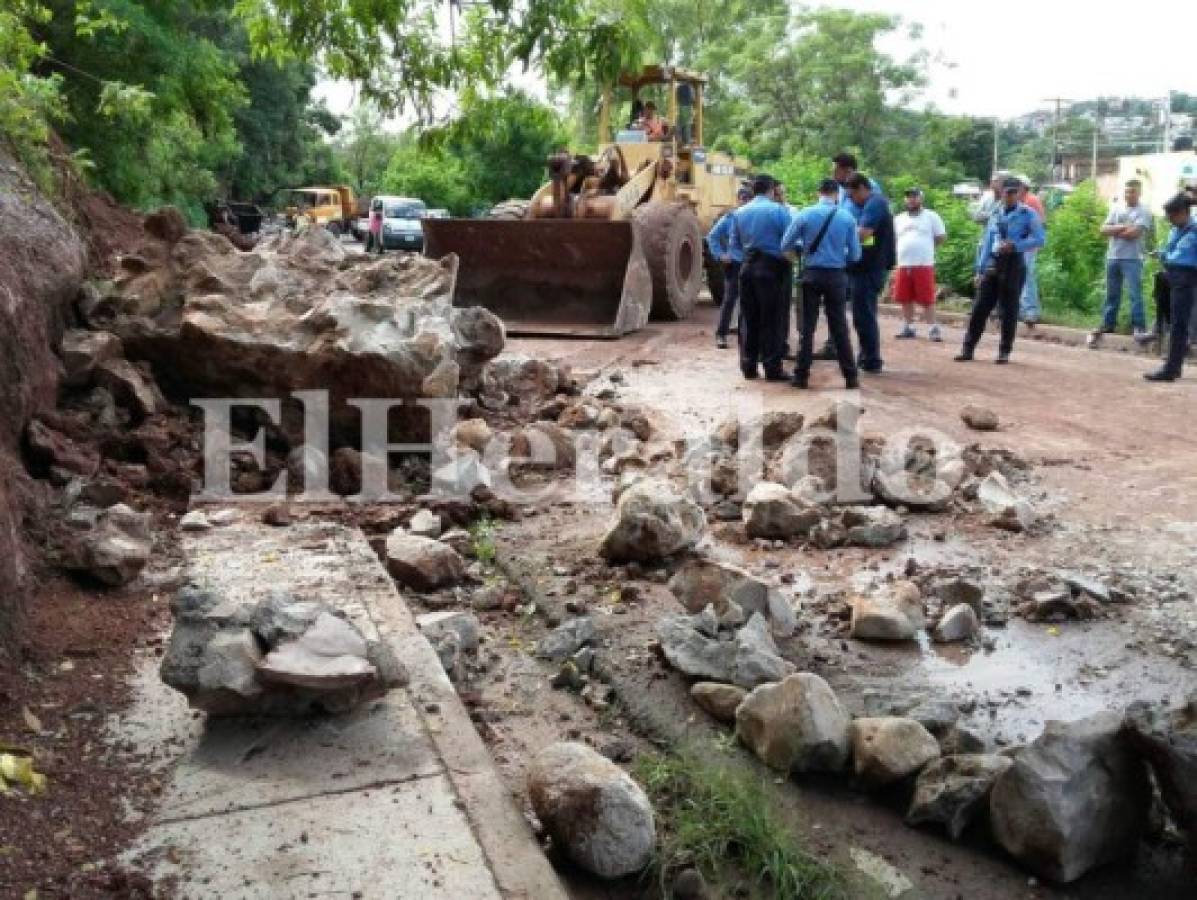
(829, 186)
(762, 184)
(914, 192)
(1179, 203)
(1012, 184)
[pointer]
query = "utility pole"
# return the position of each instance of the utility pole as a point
(1167, 145)
(1059, 101)
(997, 124)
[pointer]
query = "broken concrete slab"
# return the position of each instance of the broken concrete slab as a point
(250, 796)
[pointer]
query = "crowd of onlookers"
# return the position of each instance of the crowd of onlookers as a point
(841, 250)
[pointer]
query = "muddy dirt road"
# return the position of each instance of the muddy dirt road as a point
(1114, 467)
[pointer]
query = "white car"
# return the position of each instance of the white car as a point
(401, 229)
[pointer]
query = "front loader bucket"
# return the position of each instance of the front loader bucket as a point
(550, 277)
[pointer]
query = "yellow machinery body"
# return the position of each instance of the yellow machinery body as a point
(606, 243)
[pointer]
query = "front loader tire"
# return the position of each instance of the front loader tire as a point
(672, 243)
(716, 280)
(510, 209)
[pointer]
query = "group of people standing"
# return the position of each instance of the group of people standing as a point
(844, 247)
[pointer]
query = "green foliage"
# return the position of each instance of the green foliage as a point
(493, 151)
(28, 102)
(365, 149)
(722, 819)
(482, 541)
(1071, 266)
(429, 174)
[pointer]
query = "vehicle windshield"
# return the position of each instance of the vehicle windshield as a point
(403, 210)
(303, 199)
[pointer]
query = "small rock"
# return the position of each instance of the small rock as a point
(888, 749)
(195, 521)
(958, 624)
(474, 434)
(718, 700)
(796, 725)
(952, 790)
(1004, 508)
(426, 524)
(896, 616)
(116, 548)
(770, 511)
(979, 418)
(422, 563)
(592, 810)
(566, 639)
(693, 647)
(652, 521)
(873, 526)
(83, 351)
(130, 388)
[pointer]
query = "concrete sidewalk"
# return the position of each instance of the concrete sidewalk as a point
(397, 799)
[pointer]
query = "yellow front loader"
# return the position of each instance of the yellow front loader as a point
(607, 242)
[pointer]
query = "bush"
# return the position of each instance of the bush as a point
(1071, 266)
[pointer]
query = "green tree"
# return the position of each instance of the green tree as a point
(1072, 263)
(430, 174)
(365, 149)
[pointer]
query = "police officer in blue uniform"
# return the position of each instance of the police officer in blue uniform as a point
(1179, 258)
(1013, 229)
(731, 258)
(826, 236)
(757, 230)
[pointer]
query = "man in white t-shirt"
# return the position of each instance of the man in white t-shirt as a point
(918, 231)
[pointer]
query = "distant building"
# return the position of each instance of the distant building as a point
(1162, 174)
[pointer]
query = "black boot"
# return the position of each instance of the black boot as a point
(1162, 375)
(801, 380)
(1003, 358)
(965, 355)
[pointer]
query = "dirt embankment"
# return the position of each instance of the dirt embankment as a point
(42, 264)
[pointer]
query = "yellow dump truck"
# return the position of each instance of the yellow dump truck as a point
(611, 240)
(333, 208)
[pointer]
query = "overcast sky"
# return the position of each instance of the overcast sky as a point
(1008, 56)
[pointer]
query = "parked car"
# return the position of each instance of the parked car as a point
(401, 223)
(437, 214)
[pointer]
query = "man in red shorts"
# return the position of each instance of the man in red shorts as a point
(918, 231)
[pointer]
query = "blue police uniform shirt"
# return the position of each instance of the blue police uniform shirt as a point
(1181, 249)
(840, 245)
(759, 225)
(1020, 224)
(719, 240)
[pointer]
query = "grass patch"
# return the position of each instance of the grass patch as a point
(724, 823)
(482, 541)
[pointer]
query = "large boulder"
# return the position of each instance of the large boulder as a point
(795, 725)
(296, 314)
(527, 379)
(113, 545)
(593, 811)
(652, 521)
(701, 582)
(1076, 798)
(282, 656)
(695, 646)
(771, 511)
(889, 748)
(1168, 741)
(422, 563)
(952, 790)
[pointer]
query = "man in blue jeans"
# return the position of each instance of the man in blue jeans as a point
(1129, 229)
(866, 278)
(730, 258)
